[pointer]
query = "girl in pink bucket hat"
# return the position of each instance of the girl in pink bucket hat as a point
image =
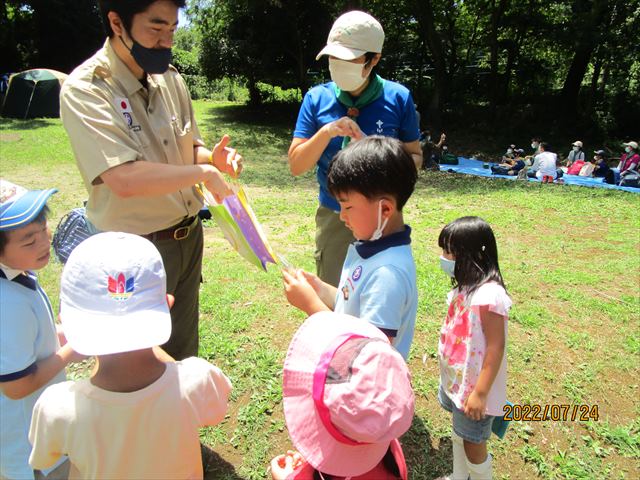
(347, 399)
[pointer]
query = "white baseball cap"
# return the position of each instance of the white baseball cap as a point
(113, 295)
(577, 143)
(352, 35)
(633, 145)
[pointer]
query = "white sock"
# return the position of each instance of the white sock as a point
(460, 468)
(481, 471)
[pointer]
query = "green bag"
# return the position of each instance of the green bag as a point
(448, 159)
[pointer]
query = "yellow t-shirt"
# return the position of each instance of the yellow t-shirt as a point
(111, 119)
(148, 434)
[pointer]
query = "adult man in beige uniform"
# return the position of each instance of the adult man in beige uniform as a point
(139, 151)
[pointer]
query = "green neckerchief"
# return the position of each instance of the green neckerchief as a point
(370, 95)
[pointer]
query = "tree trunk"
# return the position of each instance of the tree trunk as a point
(431, 38)
(587, 39)
(496, 17)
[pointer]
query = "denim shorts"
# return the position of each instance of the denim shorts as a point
(474, 431)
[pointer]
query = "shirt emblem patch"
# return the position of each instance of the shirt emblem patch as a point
(379, 123)
(345, 292)
(357, 273)
(120, 287)
(124, 106)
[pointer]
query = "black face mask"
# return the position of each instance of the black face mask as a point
(151, 60)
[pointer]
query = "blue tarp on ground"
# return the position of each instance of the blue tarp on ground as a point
(475, 167)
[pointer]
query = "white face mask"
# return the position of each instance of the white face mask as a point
(509, 151)
(448, 266)
(347, 75)
(576, 149)
(628, 149)
(534, 145)
(378, 231)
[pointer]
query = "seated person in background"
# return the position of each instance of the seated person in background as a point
(547, 162)
(629, 160)
(431, 150)
(510, 166)
(138, 414)
(509, 154)
(575, 154)
(535, 144)
(601, 166)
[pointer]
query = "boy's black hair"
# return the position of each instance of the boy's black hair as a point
(536, 139)
(545, 146)
(41, 218)
(126, 9)
(374, 166)
(471, 241)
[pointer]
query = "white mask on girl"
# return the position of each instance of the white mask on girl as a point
(347, 75)
(448, 266)
(378, 231)
(576, 149)
(628, 149)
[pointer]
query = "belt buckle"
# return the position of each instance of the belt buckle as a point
(181, 233)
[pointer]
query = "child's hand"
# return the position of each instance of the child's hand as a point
(326, 292)
(301, 294)
(284, 465)
(475, 406)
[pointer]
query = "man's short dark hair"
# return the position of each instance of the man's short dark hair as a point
(126, 9)
(545, 146)
(4, 235)
(374, 166)
(536, 139)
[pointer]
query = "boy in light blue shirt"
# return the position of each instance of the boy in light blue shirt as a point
(30, 354)
(372, 179)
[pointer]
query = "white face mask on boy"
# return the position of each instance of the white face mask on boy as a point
(378, 231)
(347, 75)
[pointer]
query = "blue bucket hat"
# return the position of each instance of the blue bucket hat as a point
(19, 206)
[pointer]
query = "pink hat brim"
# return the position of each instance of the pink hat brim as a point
(306, 429)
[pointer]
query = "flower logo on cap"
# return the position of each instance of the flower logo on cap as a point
(120, 288)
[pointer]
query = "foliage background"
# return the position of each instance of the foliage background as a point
(559, 69)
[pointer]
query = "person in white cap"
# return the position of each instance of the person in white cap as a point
(138, 414)
(357, 102)
(576, 154)
(30, 353)
(629, 160)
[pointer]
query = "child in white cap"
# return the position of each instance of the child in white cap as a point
(138, 414)
(347, 399)
(30, 354)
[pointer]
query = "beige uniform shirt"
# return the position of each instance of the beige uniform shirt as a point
(112, 119)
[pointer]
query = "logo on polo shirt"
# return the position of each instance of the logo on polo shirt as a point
(379, 123)
(120, 287)
(357, 273)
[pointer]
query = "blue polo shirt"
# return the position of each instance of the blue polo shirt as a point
(391, 115)
(378, 283)
(27, 334)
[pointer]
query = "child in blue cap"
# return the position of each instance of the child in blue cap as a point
(31, 357)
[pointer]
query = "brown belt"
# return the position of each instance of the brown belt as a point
(177, 232)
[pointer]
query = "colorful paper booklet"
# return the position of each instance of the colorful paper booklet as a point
(240, 226)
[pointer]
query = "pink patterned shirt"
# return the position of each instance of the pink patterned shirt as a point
(462, 346)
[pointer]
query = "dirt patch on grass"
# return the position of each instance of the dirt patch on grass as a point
(10, 137)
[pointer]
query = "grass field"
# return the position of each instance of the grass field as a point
(570, 257)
